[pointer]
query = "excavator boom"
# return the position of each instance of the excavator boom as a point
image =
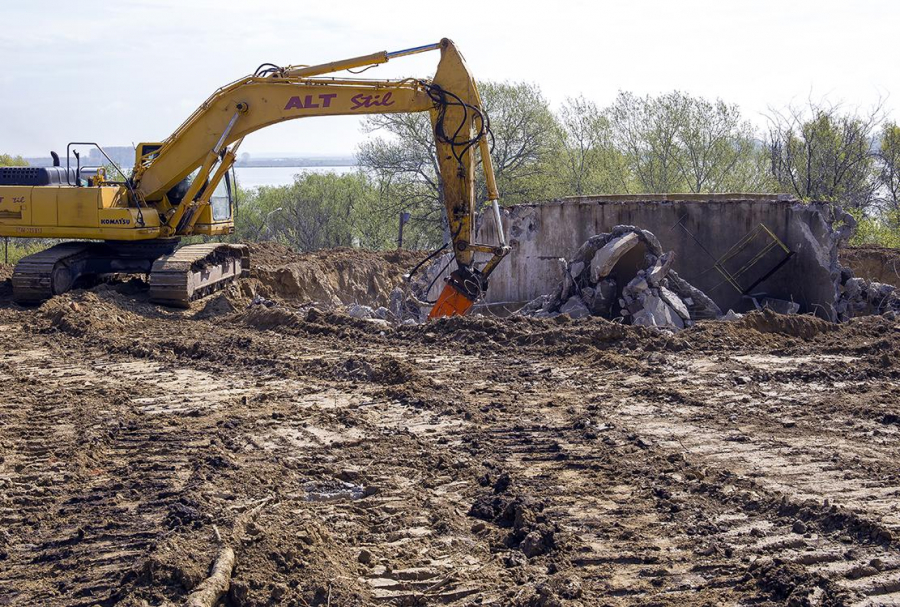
(171, 190)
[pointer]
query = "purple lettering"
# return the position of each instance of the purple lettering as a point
(294, 102)
(309, 102)
(358, 101)
(326, 99)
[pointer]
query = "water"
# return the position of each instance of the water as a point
(253, 177)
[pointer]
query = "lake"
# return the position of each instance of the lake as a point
(253, 177)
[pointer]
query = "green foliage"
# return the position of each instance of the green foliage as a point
(15, 249)
(587, 161)
(882, 230)
(317, 211)
(525, 141)
(888, 160)
(679, 143)
(12, 161)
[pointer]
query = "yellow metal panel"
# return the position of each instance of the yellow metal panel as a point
(43, 206)
(78, 207)
(15, 205)
(112, 197)
(75, 232)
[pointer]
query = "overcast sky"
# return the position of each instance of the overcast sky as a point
(128, 71)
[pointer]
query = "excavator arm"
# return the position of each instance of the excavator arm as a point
(208, 139)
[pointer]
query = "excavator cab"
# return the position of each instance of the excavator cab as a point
(217, 218)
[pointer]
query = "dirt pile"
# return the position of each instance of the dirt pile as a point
(878, 264)
(332, 278)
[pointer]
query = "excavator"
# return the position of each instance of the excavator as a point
(181, 187)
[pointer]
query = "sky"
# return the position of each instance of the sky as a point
(128, 71)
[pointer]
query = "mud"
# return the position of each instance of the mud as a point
(469, 461)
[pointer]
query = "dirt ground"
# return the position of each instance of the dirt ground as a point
(474, 461)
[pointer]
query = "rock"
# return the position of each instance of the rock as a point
(854, 287)
(537, 542)
(382, 313)
(656, 313)
(879, 293)
(395, 302)
(661, 268)
(364, 557)
(780, 305)
(799, 527)
(637, 286)
(576, 268)
(703, 307)
(575, 308)
(675, 303)
(606, 258)
(603, 298)
(731, 315)
(362, 312)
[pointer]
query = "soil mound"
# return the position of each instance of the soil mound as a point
(263, 318)
(332, 278)
(878, 264)
(89, 313)
(767, 321)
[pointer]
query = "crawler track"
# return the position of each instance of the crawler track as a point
(42, 275)
(196, 271)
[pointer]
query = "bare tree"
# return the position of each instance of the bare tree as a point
(824, 153)
(590, 162)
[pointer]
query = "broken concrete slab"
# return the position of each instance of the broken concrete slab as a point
(656, 313)
(640, 300)
(576, 269)
(575, 308)
(607, 257)
(602, 299)
(675, 303)
(661, 268)
(361, 312)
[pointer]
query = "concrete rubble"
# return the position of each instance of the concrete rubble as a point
(624, 274)
(860, 297)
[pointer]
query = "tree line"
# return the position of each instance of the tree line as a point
(672, 143)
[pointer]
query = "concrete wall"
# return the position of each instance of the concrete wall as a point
(542, 233)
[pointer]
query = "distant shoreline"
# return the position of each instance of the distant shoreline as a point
(294, 163)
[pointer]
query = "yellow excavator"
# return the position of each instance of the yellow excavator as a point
(182, 186)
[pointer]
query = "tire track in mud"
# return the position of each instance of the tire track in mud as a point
(830, 491)
(95, 459)
(654, 491)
